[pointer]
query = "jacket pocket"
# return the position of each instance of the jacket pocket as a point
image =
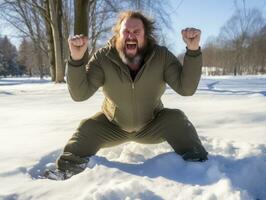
(109, 109)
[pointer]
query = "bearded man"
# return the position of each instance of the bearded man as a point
(133, 72)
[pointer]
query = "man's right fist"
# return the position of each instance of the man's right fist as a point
(78, 45)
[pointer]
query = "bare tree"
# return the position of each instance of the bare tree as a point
(257, 51)
(236, 33)
(8, 59)
(23, 17)
(39, 20)
(241, 45)
(49, 38)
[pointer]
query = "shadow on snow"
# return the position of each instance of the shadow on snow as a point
(37, 169)
(246, 174)
(234, 92)
(211, 88)
(6, 93)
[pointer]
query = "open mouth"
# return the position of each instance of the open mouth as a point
(131, 45)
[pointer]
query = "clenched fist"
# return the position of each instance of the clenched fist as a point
(191, 37)
(78, 45)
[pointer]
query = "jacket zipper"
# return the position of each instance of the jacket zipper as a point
(134, 103)
(133, 82)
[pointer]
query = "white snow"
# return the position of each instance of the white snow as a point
(38, 117)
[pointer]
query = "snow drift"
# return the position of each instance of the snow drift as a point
(38, 117)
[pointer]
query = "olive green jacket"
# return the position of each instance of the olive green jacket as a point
(132, 104)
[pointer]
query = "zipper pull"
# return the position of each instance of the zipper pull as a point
(133, 86)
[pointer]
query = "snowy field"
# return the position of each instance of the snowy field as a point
(38, 117)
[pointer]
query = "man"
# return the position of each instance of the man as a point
(133, 72)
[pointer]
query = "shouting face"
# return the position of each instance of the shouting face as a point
(131, 41)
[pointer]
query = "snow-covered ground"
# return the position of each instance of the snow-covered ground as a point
(38, 117)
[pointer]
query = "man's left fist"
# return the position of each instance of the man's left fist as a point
(191, 37)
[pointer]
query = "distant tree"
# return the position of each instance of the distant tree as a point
(8, 56)
(3, 67)
(236, 34)
(241, 45)
(25, 57)
(8, 49)
(32, 19)
(257, 49)
(23, 17)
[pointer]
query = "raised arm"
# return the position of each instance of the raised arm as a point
(184, 79)
(83, 79)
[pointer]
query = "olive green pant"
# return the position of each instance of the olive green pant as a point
(97, 132)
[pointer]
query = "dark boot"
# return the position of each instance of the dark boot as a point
(58, 174)
(195, 155)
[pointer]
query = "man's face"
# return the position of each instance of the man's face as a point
(131, 37)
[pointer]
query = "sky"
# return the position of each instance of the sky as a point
(207, 15)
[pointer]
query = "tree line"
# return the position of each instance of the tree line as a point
(240, 47)
(45, 26)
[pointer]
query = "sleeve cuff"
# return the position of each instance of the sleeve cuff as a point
(76, 63)
(193, 53)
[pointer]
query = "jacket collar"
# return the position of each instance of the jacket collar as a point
(113, 55)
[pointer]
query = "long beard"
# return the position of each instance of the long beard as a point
(127, 59)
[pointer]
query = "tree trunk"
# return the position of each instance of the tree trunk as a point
(66, 25)
(59, 12)
(50, 42)
(81, 20)
(37, 47)
(81, 17)
(59, 78)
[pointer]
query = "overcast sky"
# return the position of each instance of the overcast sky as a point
(207, 15)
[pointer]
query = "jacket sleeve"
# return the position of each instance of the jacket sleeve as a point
(84, 80)
(183, 79)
